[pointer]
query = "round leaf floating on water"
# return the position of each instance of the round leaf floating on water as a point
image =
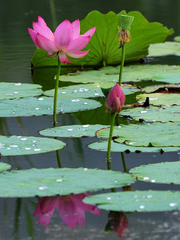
(44, 106)
(140, 201)
(117, 147)
(50, 182)
(19, 90)
(4, 166)
(166, 48)
(22, 145)
(155, 134)
(165, 172)
(154, 114)
(73, 131)
(77, 91)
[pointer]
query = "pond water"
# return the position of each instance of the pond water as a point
(16, 51)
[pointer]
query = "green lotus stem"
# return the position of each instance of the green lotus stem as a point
(122, 64)
(124, 162)
(56, 91)
(110, 139)
(58, 159)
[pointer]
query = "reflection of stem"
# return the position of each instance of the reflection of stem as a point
(122, 63)
(124, 162)
(30, 228)
(56, 91)
(17, 217)
(110, 139)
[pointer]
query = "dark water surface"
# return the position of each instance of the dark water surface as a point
(16, 51)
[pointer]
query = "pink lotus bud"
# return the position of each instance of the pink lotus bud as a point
(115, 99)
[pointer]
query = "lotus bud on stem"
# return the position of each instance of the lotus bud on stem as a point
(124, 37)
(114, 102)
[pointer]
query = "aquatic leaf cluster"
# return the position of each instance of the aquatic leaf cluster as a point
(153, 125)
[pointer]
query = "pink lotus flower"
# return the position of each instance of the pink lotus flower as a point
(115, 99)
(71, 209)
(66, 40)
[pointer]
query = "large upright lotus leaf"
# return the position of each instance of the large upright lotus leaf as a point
(140, 201)
(4, 166)
(22, 145)
(117, 147)
(165, 172)
(72, 131)
(166, 48)
(154, 134)
(154, 114)
(50, 181)
(77, 91)
(44, 106)
(130, 73)
(18, 90)
(160, 98)
(104, 44)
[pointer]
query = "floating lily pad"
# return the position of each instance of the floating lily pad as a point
(4, 166)
(166, 48)
(18, 90)
(133, 73)
(169, 78)
(140, 201)
(155, 134)
(162, 89)
(116, 147)
(18, 145)
(77, 91)
(50, 182)
(160, 98)
(44, 106)
(177, 38)
(104, 44)
(154, 114)
(73, 131)
(165, 172)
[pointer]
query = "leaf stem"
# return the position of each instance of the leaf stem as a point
(56, 91)
(124, 162)
(110, 139)
(122, 63)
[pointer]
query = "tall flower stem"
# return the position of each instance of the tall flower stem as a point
(110, 139)
(56, 91)
(124, 162)
(122, 63)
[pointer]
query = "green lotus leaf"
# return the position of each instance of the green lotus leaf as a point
(167, 88)
(44, 106)
(165, 172)
(50, 181)
(154, 134)
(18, 90)
(117, 147)
(4, 166)
(169, 77)
(154, 114)
(22, 145)
(104, 44)
(166, 48)
(177, 38)
(160, 98)
(73, 131)
(133, 73)
(140, 201)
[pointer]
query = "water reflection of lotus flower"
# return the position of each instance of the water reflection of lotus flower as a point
(117, 222)
(71, 209)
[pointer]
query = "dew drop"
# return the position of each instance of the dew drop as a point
(173, 204)
(153, 180)
(17, 84)
(23, 139)
(149, 196)
(146, 178)
(43, 188)
(143, 111)
(132, 143)
(85, 126)
(85, 169)
(69, 129)
(15, 92)
(141, 207)
(13, 145)
(75, 100)
(85, 103)
(59, 180)
(37, 149)
(96, 94)
(37, 108)
(108, 198)
(9, 94)
(153, 99)
(8, 148)
(40, 99)
(27, 148)
(63, 92)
